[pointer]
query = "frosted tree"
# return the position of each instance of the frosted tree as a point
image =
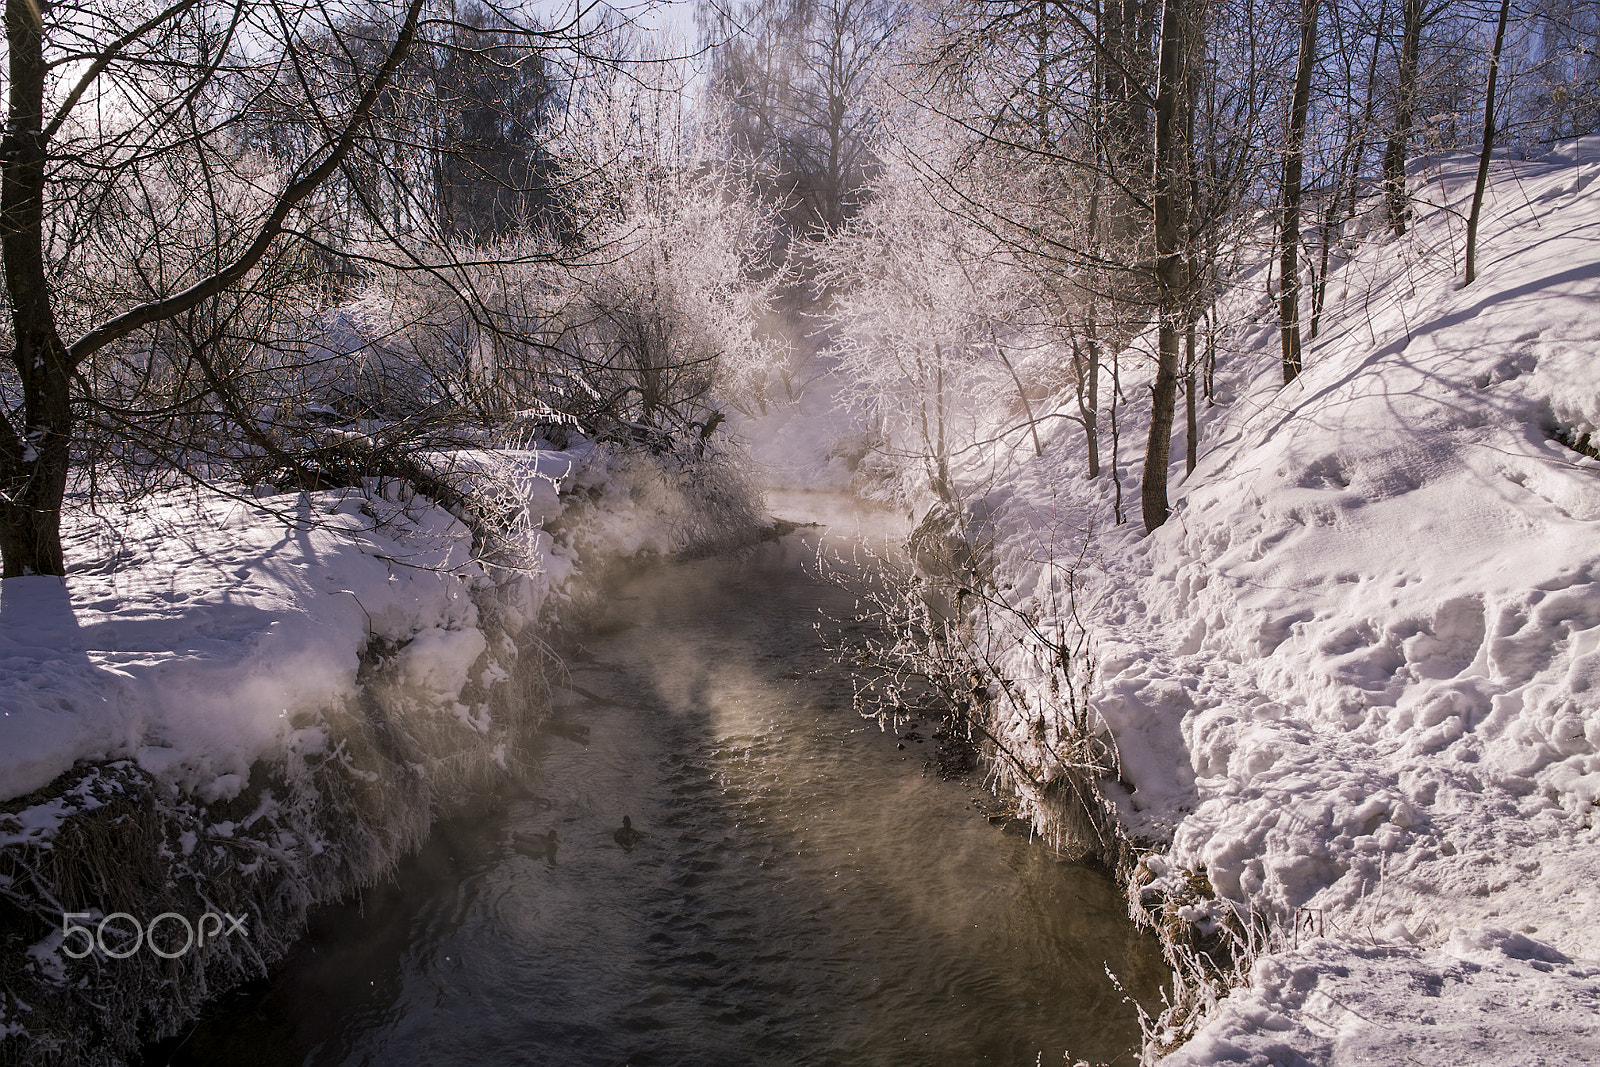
(940, 339)
(1093, 115)
(1565, 40)
(792, 78)
(644, 321)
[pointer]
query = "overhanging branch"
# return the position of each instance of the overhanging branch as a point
(271, 228)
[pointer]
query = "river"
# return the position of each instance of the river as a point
(803, 890)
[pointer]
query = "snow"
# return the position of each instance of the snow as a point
(200, 634)
(216, 633)
(530, 476)
(1356, 675)
(1394, 551)
(1489, 995)
(805, 443)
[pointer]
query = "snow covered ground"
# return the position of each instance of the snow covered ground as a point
(1355, 679)
(197, 632)
(197, 635)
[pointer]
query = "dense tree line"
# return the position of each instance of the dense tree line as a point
(226, 226)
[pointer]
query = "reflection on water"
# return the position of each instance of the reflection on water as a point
(794, 890)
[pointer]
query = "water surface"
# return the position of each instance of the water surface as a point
(803, 892)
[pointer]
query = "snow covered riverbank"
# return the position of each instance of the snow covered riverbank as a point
(244, 706)
(1354, 681)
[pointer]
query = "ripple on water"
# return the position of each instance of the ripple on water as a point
(801, 893)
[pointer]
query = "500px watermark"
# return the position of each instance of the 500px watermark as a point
(179, 935)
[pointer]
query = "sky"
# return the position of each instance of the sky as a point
(666, 26)
(671, 19)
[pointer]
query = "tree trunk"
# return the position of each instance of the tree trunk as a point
(1211, 355)
(34, 456)
(1116, 437)
(1124, 30)
(1398, 203)
(1191, 450)
(1294, 159)
(30, 516)
(1158, 446)
(1172, 195)
(1091, 411)
(1085, 364)
(1488, 145)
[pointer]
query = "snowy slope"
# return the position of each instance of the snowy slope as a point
(189, 636)
(1488, 995)
(1358, 670)
(1385, 581)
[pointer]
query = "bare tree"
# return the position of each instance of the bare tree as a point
(160, 160)
(1488, 143)
(1358, 38)
(1293, 167)
(792, 77)
(1173, 215)
(1044, 112)
(1397, 202)
(145, 58)
(1096, 125)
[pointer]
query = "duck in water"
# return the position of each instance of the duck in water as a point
(627, 837)
(537, 845)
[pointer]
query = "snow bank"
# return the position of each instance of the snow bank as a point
(1489, 995)
(195, 637)
(1388, 574)
(1356, 676)
(230, 706)
(194, 633)
(253, 705)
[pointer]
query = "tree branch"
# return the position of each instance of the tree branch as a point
(271, 228)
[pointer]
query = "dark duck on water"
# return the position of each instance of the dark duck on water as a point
(627, 837)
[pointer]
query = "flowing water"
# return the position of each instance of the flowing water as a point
(802, 891)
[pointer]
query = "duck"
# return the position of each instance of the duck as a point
(627, 837)
(537, 845)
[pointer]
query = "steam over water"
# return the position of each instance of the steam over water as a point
(802, 893)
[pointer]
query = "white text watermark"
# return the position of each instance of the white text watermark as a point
(128, 935)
